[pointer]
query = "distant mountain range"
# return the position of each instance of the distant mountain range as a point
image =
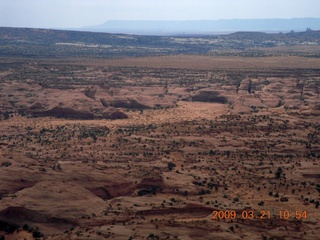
(205, 26)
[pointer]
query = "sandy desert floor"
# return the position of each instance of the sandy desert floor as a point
(178, 147)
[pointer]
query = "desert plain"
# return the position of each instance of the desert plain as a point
(171, 146)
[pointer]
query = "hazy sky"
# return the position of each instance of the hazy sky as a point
(79, 13)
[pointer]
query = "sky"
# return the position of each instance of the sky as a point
(81, 13)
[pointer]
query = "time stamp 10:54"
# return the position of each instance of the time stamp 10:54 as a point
(261, 214)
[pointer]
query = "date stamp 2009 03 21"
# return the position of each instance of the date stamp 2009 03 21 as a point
(261, 214)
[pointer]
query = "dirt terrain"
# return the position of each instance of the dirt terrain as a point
(169, 147)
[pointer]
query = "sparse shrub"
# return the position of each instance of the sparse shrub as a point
(10, 228)
(6, 115)
(212, 152)
(37, 233)
(27, 228)
(6, 164)
(173, 200)
(153, 236)
(278, 173)
(171, 165)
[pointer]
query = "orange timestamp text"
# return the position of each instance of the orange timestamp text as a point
(261, 214)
